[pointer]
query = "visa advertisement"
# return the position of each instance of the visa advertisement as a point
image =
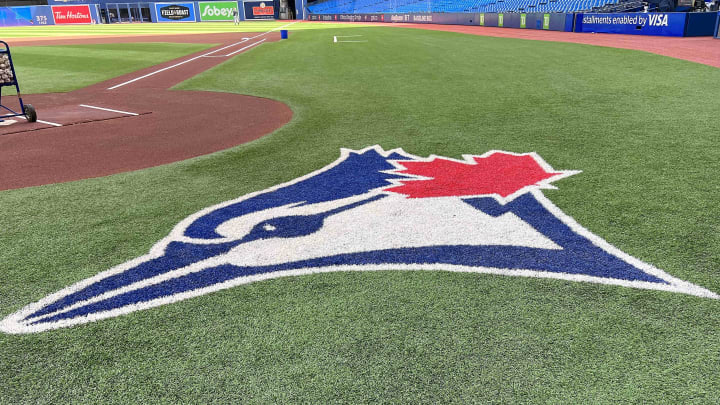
(26, 16)
(175, 12)
(79, 14)
(260, 10)
(217, 10)
(659, 24)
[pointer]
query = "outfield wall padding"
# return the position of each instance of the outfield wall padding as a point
(511, 20)
(717, 26)
(26, 16)
(546, 21)
(455, 18)
(658, 24)
(700, 24)
(491, 20)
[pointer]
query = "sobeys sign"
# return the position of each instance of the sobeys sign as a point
(217, 10)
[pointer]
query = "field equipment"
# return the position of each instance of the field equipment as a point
(8, 78)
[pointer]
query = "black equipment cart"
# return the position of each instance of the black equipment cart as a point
(8, 78)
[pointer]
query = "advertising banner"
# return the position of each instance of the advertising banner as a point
(360, 17)
(175, 12)
(217, 10)
(399, 18)
(662, 24)
(259, 10)
(322, 17)
(26, 16)
(79, 14)
(421, 18)
(539, 21)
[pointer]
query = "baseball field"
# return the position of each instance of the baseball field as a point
(631, 137)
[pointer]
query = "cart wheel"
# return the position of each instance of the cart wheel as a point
(30, 113)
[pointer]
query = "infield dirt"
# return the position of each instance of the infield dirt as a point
(168, 126)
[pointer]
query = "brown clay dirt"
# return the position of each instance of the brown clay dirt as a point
(169, 126)
(177, 125)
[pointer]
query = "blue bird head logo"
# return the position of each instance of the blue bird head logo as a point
(371, 209)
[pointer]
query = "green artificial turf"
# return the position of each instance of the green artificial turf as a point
(629, 120)
(159, 29)
(44, 69)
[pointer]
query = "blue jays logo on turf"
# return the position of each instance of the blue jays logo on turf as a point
(370, 210)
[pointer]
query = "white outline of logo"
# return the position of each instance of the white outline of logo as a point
(16, 323)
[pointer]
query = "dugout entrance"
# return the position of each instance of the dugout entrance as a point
(126, 12)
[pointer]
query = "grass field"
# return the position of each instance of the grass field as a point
(44, 69)
(628, 120)
(156, 29)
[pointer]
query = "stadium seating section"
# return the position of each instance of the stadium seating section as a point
(465, 6)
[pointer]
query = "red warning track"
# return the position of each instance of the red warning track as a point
(134, 121)
(705, 50)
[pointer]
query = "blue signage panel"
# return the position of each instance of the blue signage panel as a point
(69, 2)
(175, 12)
(700, 24)
(717, 26)
(25, 16)
(662, 24)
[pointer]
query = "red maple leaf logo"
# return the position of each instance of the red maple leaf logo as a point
(500, 174)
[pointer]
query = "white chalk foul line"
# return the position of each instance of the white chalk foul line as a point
(238, 51)
(335, 38)
(108, 109)
(49, 123)
(196, 57)
(246, 47)
(170, 67)
(54, 124)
